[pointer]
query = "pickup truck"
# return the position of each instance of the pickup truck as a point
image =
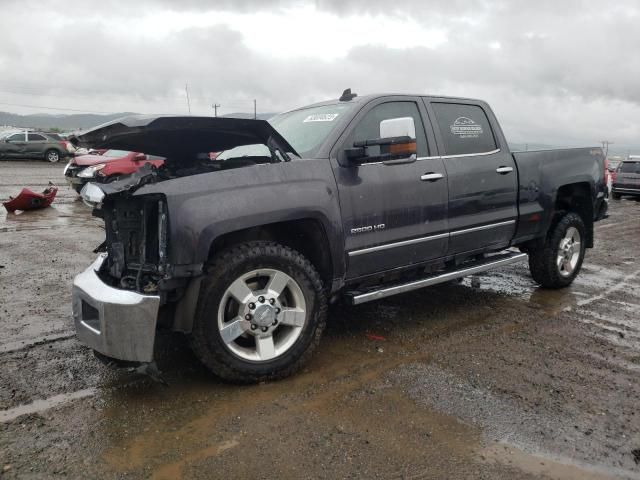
(351, 200)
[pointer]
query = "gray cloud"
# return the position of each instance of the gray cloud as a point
(558, 72)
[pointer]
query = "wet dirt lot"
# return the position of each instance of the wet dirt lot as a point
(496, 380)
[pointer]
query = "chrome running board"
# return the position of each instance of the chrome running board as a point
(356, 298)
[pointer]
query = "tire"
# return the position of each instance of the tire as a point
(556, 262)
(52, 155)
(294, 319)
(616, 196)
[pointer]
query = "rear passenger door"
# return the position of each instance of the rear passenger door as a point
(481, 176)
(36, 144)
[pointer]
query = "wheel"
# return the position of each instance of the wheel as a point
(616, 196)
(52, 155)
(556, 263)
(261, 312)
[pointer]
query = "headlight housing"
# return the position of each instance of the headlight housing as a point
(90, 172)
(92, 195)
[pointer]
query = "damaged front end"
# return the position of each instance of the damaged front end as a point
(117, 300)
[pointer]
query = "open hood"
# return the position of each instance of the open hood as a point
(181, 139)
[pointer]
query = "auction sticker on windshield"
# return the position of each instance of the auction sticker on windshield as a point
(321, 117)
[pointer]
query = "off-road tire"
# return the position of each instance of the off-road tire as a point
(50, 157)
(222, 270)
(543, 258)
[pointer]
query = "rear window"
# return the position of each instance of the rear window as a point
(465, 129)
(629, 167)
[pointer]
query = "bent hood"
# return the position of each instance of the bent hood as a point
(181, 139)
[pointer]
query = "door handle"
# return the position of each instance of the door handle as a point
(504, 170)
(431, 177)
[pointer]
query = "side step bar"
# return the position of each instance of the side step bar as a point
(356, 298)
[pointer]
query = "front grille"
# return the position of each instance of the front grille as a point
(136, 239)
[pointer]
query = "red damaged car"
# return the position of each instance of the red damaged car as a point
(106, 166)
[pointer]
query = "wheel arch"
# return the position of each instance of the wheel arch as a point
(577, 198)
(306, 235)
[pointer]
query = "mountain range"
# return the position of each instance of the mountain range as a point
(80, 121)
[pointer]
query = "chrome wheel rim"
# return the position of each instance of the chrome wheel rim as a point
(261, 315)
(53, 157)
(569, 252)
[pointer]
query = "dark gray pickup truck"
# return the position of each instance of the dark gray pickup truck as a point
(353, 199)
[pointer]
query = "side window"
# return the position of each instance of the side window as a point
(369, 126)
(34, 137)
(16, 137)
(464, 128)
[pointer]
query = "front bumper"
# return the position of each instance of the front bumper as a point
(117, 323)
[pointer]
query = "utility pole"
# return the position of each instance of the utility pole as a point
(215, 107)
(605, 146)
(255, 111)
(186, 89)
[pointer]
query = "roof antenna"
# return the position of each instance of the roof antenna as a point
(347, 95)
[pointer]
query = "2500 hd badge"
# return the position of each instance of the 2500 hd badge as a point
(368, 228)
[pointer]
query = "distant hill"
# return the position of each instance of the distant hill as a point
(63, 122)
(261, 116)
(84, 121)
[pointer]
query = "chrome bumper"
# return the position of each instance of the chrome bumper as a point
(117, 323)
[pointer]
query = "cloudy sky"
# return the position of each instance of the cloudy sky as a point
(556, 72)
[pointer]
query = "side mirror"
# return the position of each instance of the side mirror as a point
(397, 142)
(398, 127)
(139, 157)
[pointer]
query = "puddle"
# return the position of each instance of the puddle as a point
(541, 465)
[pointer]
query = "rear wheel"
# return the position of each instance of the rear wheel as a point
(616, 196)
(52, 155)
(261, 312)
(556, 262)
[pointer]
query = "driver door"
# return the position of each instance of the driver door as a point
(16, 145)
(394, 213)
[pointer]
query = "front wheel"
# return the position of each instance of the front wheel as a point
(52, 155)
(261, 313)
(556, 262)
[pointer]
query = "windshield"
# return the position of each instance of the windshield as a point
(306, 129)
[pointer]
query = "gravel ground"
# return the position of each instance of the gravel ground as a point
(498, 380)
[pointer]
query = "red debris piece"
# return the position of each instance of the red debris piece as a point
(28, 200)
(375, 338)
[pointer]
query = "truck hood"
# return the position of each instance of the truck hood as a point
(181, 139)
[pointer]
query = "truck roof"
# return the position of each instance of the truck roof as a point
(372, 96)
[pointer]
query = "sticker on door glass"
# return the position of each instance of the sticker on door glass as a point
(321, 117)
(464, 127)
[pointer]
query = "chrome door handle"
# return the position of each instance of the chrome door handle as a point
(504, 170)
(431, 177)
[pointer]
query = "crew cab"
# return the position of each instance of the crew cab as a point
(351, 200)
